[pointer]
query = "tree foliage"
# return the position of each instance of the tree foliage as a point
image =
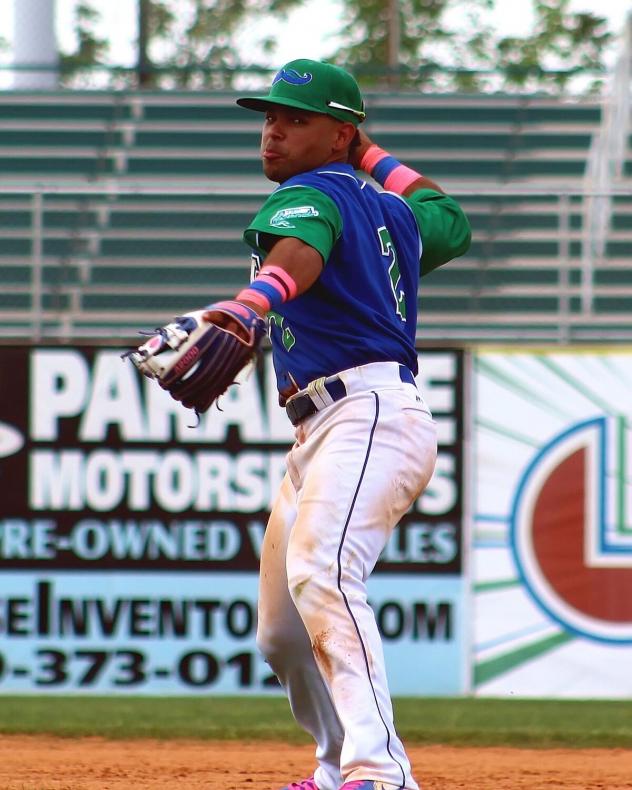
(434, 53)
(90, 51)
(192, 42)
(367, 32)
(442, 44)
(562, 45)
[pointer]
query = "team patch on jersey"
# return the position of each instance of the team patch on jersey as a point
(282, 217)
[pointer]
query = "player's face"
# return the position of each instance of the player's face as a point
(294, 141)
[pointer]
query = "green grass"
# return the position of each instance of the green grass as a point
(516, 722)
(480, 722)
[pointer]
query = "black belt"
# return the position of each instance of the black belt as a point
(301, 406)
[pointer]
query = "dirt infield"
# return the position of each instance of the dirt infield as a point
(42, 763)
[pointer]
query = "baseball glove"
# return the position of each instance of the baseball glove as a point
(197, 357)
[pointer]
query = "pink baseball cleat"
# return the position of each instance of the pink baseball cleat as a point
(367, 784)
(305, 784)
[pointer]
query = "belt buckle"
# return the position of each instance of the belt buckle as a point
(318, 394)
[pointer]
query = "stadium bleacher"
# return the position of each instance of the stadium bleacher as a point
(122, 209)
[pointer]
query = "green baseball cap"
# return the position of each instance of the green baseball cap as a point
(315, 86)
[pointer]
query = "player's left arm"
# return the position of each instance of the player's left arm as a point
(444, 228)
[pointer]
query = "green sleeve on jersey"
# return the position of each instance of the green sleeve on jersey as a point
(445, 230)
(303, 212)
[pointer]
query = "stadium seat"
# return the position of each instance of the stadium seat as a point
(121, 242)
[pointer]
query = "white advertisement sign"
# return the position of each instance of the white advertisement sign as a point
(179, 633)
(552, 553)
(130, 537)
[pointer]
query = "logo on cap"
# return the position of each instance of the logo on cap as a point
(292, 77)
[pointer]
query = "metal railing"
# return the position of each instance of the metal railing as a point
(566, 319)
(431, 77)
(604, 168)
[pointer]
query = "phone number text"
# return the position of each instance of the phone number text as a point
(128, 668)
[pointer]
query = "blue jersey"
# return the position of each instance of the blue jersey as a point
(363, 306)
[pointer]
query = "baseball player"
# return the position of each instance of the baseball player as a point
(336, 266)
(336, 269)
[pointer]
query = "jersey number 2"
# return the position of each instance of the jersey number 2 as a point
(394, 275)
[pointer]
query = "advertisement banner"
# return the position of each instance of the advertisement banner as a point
(130, 535)
(552, 559)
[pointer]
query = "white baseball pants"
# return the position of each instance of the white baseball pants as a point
(354, 470)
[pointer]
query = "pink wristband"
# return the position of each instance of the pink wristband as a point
(250, 295)
(387, 171)
(400, 179)
(270, 288)
(283, 278)
(372, 156)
